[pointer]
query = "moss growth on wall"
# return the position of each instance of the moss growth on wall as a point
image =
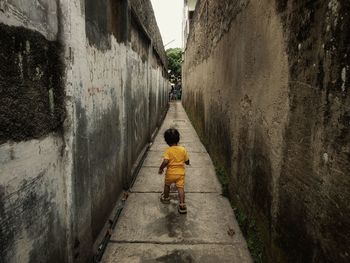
(246, 223)
(250, 231)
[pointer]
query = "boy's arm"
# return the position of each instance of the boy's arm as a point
(163, 165)
(187, 160)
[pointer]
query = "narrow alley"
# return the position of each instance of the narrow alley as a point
(149, 231)
(259, 90)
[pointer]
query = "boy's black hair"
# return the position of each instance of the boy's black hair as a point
(172, 136)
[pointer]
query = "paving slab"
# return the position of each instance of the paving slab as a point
(196, 180)
(208, 220)
(184, 138)
(190, 147)
(149, 231)
(179, 124)
(152, 253)
(196, 159)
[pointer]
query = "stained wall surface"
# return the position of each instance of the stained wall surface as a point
(266, 85)
(83, 86)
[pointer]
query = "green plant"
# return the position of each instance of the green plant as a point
(247, 225)
(174, 61)
(223, 179)
(252, 235)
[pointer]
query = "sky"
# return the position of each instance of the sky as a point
(169, 18)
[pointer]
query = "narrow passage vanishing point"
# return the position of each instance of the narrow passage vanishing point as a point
(149, 231)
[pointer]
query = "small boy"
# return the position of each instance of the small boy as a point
(175, 158)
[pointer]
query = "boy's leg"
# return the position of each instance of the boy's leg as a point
(166, 190)
(181, 192)
(182, 206)
(180, 184)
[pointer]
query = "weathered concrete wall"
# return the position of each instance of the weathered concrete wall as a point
(83, 86)
(266, 84)
(32, 206)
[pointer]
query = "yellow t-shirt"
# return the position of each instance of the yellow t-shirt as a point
(177, 156)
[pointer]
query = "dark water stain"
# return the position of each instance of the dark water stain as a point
(184, 256)
(31, 89)
(119, 19)
(81, 187)
(32, 210)
(97, 23)
(177, 256)
(217, 130)
(261, 177)
(105, 166)
(173, 224)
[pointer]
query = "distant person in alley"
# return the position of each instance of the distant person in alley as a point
(175, 158)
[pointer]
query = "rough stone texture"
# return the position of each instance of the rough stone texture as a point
(266, 86)
(150, 231)
(91, 97)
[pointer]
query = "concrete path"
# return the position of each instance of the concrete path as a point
(149, 231)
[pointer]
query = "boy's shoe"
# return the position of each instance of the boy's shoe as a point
(182, 209)
(164, 200)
